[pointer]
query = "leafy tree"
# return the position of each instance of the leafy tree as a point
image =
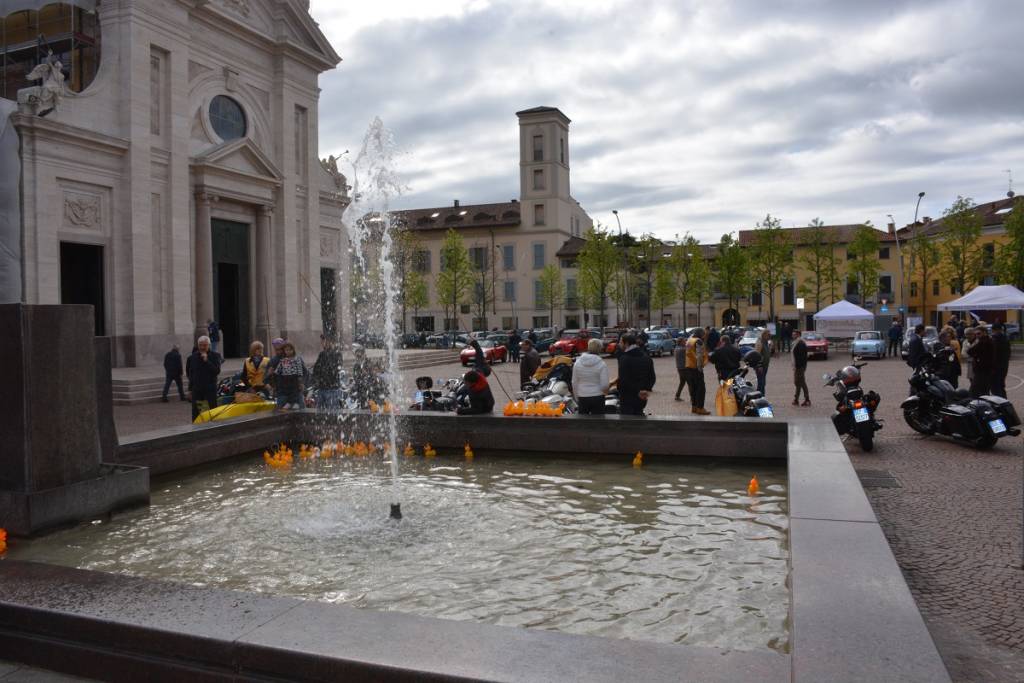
(483, 290)
(645, 258)
(414, 292)
(818, 259)
(961, 252)
(456, 277)
(732, 270)
(1010, 262)
(552, 289)
(599, 262)
(685, 257)
(701, 284)
(412, 288)
(925, 255)
(772, 258)
(864, 267)
(663, 292)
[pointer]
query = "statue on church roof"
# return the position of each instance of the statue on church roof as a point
(48, 95)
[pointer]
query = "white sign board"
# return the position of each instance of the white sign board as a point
(799, 303)
(841, 329)
(771, 329)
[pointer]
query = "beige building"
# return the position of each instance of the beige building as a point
(510, 243)
(168, 169)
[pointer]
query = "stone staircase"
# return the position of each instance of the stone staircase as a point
(143, 385)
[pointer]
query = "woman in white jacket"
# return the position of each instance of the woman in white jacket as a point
(590, 380)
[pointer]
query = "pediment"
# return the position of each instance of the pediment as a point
(297, 27)
(239, 157)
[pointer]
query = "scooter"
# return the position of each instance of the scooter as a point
(855, 409)
(749, 401)
(935, 407)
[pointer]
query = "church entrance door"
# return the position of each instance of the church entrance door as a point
(81, 279)
(231, 277)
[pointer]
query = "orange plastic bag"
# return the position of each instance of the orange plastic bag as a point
(725, 401)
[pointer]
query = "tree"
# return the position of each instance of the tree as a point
(961, 253)
(685, 256)
(924, 260)
(597, 265)
(701, 285)
(455, 278)
(819, 261)
(646, 256)
(732, 270)
(864, 267)
(414, 292)
(1010, 261)
(772, 258)
(483, 291)
(412, 288)
(663, 291)
(552, 289)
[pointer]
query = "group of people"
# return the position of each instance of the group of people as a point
(984, 352)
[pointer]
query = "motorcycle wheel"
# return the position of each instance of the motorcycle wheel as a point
(986, 442)
(867, 442)
(913, 420)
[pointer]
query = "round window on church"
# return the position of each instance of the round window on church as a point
(227, 118)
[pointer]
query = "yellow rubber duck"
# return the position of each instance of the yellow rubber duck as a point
(429, 451)
(638, 459)
(467, 451)
(360, 450)
(3, 541)
(372, 405)
(409, 450)
(753, 488)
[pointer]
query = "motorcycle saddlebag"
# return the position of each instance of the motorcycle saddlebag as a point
(1004, 408)
(958, 419)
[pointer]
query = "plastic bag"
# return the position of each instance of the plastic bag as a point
(725, 401)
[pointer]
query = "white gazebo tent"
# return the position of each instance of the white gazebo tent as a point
(843, 320)
(987, 298)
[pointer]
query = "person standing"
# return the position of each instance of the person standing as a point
(513, 345)
(172, 372)
(1001, 366)
(983, 354)
(965, 353)
(763, 347)
(532, 336)
(528, 363)
(726, 358)
(636, 377)
(915, 347)
(711, 340)
(254, 368)
(203, 369)
(327, 375)
(590, 379)
(895, 337)
(694, 362)
(213, 331)
(680, 357)
(785, 337)
(800, 369)
(947, 357)
(289, 378)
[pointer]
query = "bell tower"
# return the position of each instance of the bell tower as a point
(544, 165)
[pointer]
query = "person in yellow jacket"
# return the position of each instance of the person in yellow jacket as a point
(696, 359)
(254, 369)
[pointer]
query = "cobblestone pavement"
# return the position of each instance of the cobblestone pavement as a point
(954, 524)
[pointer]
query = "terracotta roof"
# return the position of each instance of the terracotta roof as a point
(992, 214)
(505, 214)
(572, 247)
(841, 233)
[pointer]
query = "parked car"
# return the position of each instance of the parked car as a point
(748, 341)
(410, 340)
(572, 342)
(499, 338)
(543, 345)
(817, 345)
(930, 335)
(868, 343)
(493, 353)
(659, 343)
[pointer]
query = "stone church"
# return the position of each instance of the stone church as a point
(161, 164)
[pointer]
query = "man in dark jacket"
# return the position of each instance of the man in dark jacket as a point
(726, 358)
(915, 347)
(172, 372)
(895, 337)
(478, 392)
(800, 369)
(327, 375)
(213, 330)
(203, 368)
(983, 360)
(636, 377)
(711, 340)
(513, 346)
(529, 362)
(1001, 348)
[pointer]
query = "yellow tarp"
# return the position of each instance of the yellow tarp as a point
(226, 412)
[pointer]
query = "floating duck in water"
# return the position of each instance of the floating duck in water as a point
(280, 458)
(466, 450)
(638, 459)
(753, 488)
(429, 451)
(3, 541)
(360, 450)
(409, 450)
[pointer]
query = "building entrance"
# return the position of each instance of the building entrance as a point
(81, 279)
(231, 277)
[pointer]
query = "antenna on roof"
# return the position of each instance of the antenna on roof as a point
(1009, 174)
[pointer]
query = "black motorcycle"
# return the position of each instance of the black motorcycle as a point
(935, 407)
(749, 401)
(855, 408)
(443, 400)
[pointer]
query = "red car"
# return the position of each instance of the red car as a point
(493, 353)
(571, 343)
(817, 345)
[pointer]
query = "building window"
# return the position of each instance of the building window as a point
(851, 288)
(756, 298)
(988, 256)
(540, 321)
(451, 324)
(561, 149)
(538, 256)
(913, 289)
(538, 294)
(510, 290)
(508, 257)
(421, 261)
(478, 257)
(988, 280)
(156, 109)
(464, 309)
(883, 253)
(567, 263)
(538, 148)
(227, 118)
(424, 323)
(538, 179)
(572, 299)
(952, 289)
(935, 287)
(508, 323)
(789, 293)
(538, 214)
(850, 255)
(885, 286)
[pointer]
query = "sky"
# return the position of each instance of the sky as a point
(697, 116)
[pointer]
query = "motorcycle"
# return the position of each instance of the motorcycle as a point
(855, 409)
(552, 390)
(443, 400)
(749, 401)
(935, 407)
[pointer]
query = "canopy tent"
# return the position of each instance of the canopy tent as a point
(843, 319)
(987, 298)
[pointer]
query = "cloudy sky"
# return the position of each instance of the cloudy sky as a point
(691, 115)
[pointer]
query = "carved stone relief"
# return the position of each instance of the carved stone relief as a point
(330, 244)
(82, 211)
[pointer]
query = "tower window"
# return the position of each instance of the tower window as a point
(538, 148)
(538, 214)
(227, 118)
(538, 179)
(561, 149)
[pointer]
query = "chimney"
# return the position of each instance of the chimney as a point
(892, 228)
(456, 203)
(926, 220)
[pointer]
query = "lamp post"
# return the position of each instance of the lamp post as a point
(920, 196)
(625, 274)
(899, 254)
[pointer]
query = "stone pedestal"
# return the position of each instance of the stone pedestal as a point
(52, 464)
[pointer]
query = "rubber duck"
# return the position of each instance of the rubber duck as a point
(753, 488)
(372, 405)
(467, 451)
(3, 541)
(429, 451)
(360, 450)
(409, 450)
(638, 459)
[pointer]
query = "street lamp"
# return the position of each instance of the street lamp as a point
(625, 275)
(899, 253)
(920, 196)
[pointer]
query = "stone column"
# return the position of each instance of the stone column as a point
(264, 275)
(203, 263)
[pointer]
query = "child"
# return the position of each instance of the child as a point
(289, 379)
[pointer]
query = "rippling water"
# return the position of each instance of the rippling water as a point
(671, 553)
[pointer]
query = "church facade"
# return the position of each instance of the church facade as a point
(177, 180)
